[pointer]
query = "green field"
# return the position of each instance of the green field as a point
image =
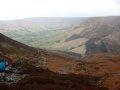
(44, 39)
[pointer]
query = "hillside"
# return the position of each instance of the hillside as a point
(40, 79)
(36, 78)
(38, 24)
(39, 32)
(8, 45)
(66, 39)
(107, 66)
(105, 28)
(92, 71)
(14, 49)
(100, 27)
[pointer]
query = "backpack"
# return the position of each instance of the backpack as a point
(2, 66)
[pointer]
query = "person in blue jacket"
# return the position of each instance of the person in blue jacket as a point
(2, 69)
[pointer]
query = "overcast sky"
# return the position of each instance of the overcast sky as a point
(17, 9)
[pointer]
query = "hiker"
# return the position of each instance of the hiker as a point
(21, 61)
(8, 68)
(2, 69)
(42, 62)
(14, 64)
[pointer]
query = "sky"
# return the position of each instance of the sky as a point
(18, 9)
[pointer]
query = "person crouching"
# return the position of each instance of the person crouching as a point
(2, 69)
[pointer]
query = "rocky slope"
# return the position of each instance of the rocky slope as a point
(39, 79)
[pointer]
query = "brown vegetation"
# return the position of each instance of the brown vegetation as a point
(105, 66)
(40, 79)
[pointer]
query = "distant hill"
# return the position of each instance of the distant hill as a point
(39, 32)
(100, 27)
(106, 28)
(38, 24)
(65, 34)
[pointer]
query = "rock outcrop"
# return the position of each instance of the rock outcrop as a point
(95, 45)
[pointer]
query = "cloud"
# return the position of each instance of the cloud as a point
(117, 1)
(14, 9)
